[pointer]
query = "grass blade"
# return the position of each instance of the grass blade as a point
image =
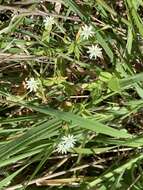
(82, 122)
(115, 171)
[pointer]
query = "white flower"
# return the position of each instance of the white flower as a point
(94, 52)
(61, 148)
(87, 31)
(32, 84)
(49, 21)
(67, 142)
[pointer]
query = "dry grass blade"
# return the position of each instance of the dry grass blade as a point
(39, 180)
(57, 182)
(36, 2)
(25, 12)
(6, 57)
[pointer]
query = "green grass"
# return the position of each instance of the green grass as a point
(98, 101)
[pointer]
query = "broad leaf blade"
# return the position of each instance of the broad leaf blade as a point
(80, 121)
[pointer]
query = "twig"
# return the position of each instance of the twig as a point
(35, 2)
(55, 167)
(134, 182)
(25, 12)
(20, 57)
(56, 182)
(62, 156)
(82, 96)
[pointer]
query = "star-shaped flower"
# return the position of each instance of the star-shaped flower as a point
(32, 84)
(49, 21)
(86, 32)
(94, 52)
(67, 142)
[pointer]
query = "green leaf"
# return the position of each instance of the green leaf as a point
(131, 80)
(111, 11)
(92, 150)
(81, 122)
(75, 8)
(107, 7)
(20, 119)
(114, 84)
(105, 76)
(14, 159)
(42, 130)
(135, 16)
(129, 40)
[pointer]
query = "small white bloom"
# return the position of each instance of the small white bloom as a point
(32, 84)
(61, 148)
(67, 142)
(49, 21)
(94, 52)
(87, 31)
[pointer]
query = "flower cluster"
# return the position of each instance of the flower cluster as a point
(94, 51)
(67, 142)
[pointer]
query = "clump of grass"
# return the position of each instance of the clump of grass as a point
(71, 94)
